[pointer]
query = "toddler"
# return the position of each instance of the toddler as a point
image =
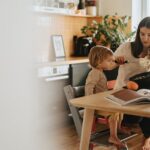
(101, 58)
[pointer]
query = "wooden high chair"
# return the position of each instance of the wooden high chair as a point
(77, 113)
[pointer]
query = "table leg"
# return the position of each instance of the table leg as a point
(86, 128)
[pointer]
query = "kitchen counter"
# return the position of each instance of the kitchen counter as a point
(66, 61)
(60, 67)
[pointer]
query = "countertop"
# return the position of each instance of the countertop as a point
(65, 61)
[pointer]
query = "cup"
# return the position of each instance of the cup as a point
(91, 10)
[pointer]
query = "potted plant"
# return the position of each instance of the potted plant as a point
(111, 31)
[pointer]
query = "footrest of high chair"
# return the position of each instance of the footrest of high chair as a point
(101, 138)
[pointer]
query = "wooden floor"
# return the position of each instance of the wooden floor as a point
(68, 140)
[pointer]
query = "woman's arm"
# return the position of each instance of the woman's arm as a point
(119, 55)
(119, 60)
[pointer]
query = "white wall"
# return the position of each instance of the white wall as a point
(28, 105)
(25, 101)
(18, 101)
(18, 84)
(110, 7)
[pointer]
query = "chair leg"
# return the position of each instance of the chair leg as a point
(94, 125)
(93, 131)
(91, 146)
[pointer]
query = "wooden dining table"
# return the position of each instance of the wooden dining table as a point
(98, 103)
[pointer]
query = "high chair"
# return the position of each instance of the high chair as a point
(77, 113)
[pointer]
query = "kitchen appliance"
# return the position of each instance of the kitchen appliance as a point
(52, 73)
(52, 79)
(82, 45)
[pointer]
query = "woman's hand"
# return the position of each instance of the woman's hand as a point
(120, 60)
(145, 53)
(147, 144)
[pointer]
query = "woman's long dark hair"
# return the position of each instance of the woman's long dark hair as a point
(137, 46)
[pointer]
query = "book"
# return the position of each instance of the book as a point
(127, 97)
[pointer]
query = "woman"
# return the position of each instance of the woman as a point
(132, 52)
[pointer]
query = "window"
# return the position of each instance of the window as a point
(140, 9)
(145, 8)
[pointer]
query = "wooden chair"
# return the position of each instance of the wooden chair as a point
(73, 92)
(77, 113)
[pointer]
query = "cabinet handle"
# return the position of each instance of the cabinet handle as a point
(56, 78)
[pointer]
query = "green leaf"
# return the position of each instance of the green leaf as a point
(113, 31)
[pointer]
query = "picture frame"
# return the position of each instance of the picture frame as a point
(58, 45)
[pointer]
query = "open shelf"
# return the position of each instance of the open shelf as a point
(58, 11)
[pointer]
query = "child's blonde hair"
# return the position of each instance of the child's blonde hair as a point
(98, 54)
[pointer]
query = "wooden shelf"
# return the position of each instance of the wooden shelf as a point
(59, 11)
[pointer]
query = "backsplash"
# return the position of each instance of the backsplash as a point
(46, 25)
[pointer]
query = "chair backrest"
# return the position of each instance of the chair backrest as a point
(73, 92)
(78, 74)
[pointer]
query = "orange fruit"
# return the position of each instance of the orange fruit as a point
(132, 85)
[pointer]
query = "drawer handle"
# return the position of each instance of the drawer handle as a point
(56, 78)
